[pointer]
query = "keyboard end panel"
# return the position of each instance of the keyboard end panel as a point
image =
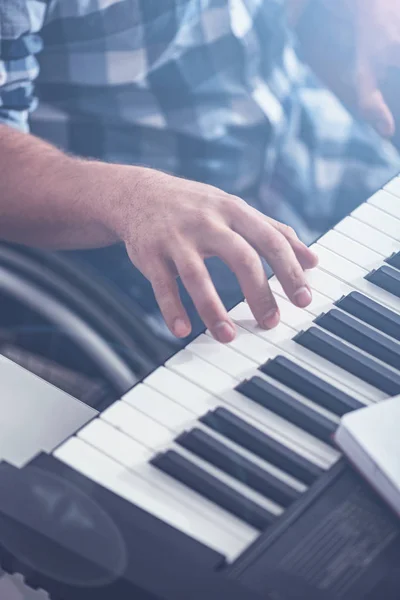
(338, 541)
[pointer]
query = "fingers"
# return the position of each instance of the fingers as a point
(238, 234)
(278, 251)
(306, 257)
(196, 279)
(244, 261)
(371, 101)
(377, 113)
(168, 299)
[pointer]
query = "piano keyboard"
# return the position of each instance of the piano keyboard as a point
(222, 440)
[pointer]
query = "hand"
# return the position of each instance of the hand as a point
(351, 44)
(378, 48)
(173, 225)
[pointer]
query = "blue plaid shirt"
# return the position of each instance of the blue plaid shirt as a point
(211, 90)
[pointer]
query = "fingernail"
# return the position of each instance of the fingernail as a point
(224, 332)
(302, 297)
(181, 328)
(271, 319)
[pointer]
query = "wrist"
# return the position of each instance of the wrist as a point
(114, 196)
(90, 190)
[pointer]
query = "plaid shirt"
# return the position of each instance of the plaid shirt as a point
(212, 90)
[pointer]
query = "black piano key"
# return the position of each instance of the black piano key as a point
(386, 278)
(236, 465)
(371, 312)
(350, 359)
(234, 428)
(289, 408)
(394, 260)
(362, 336)
(210, 487)
(309, 385)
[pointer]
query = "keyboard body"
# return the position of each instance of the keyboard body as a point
(339, 541)
(216, 476)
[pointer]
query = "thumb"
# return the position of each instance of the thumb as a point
(372, 104)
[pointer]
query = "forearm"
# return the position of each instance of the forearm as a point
(167, 224)
(51, 200)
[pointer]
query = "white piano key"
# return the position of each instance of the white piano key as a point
(294, 317)
(222, 385)
(354, 275)
(225, 395)
(201, 373)
(259, 462)
(137, 425)
(106, 472)
(281, 431)
(286, 433)
(368, 213)
(220, 355)
(158, 407)
(299, 321)
(348, 384)
(300, 398)
(350, 249)
(323, 369)
(182, 391)
(243, 317)
(251, 345)
(368, 236)
(353, 384)
(327, 284)
(230, 481)
(214, 378)
(393, 187)
(388, 199)
(289, 310)
(333, 263)
(292, 353)
(133, 456)
(215, 347)
(120, 443)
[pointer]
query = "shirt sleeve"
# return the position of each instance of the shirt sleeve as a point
(20, 42)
